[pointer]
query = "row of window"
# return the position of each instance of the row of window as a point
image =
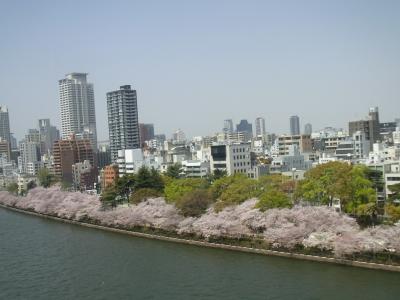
(240, 150)
(236, 157)
(240, 171)
(240, 164)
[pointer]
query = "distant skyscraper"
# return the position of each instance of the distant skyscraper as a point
(244, 126)
(49, 134)
(77, 107)
(13, 142)
(123, 121)
(4, 124)
(260, 126)
(228, 126)
(179, 136)
(308, 129)
(146, 132)
(294, 125)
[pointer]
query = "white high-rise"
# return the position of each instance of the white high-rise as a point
(228, 126)
(77, 107)
(260, 126)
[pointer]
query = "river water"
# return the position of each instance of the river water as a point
(44, 259)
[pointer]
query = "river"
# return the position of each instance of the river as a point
(44, 259)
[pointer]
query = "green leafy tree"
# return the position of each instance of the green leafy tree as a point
(143, 194)
(109, 197)
(367, 213)
(395, 191)
(45, 178)
(217, 174)
(124, 186)
(149, 178)
(234, 190)
(174, 170)
(361, 191)
(393, 212)
(273, 198)
(194, 203)
(337, 180)
(177, 188)
(12, 188)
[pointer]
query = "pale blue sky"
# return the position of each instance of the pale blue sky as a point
(196, 63)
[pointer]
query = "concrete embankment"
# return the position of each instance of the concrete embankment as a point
(346, 262)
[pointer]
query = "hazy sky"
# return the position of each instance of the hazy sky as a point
(196, 63)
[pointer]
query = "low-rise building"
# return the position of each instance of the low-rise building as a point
(195, 168)
(84, 176)
(110, 175)
(302, 141)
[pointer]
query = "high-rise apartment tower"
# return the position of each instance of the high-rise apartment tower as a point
(260, 126)
(77, 108)
(123, 122)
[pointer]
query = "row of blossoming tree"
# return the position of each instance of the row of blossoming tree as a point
(352, 186)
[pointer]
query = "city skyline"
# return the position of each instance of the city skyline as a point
(290, 59)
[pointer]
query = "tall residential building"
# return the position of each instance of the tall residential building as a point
(49, 134)
(294, 125)
(123, 121)
(4, 124)
(308, 129)
(260, 126)
(228, 126)
(146, 132)
(77, 107)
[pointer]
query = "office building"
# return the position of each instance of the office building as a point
(370, 126)
(228, 126)
(245, 126)
(260, 126)
(308, 129)
(146, 133)
(179, 136)
(78, 114)
(294, 125)
(123, 121)
(303, 143)
(29, 160)
(49, 134)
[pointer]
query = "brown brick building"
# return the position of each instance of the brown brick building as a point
(69, 152)
(110, 175)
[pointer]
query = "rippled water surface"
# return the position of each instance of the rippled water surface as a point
(43, 259)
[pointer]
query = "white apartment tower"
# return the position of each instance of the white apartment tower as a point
(123, 122)
(260, 126)
(77, 107)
